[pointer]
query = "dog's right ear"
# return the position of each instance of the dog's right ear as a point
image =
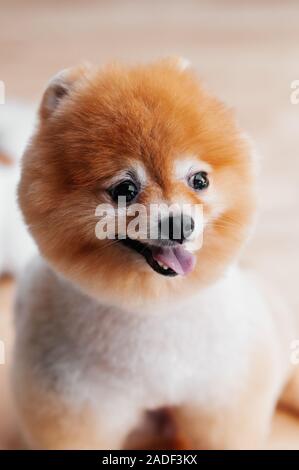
(61, 87)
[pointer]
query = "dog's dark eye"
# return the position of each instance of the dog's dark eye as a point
(126, 189)
(199, 181)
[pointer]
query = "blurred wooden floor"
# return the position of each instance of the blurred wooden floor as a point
(247, 52)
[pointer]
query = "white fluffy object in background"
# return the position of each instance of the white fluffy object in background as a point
(16, 245)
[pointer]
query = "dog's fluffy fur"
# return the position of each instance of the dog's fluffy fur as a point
(101, 337)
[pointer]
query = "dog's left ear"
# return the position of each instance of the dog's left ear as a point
(60, 87)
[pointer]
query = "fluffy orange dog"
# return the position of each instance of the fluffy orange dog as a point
(107, 330)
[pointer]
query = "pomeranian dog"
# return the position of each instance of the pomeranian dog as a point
(108, 329)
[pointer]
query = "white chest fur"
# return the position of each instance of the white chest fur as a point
(158, 357)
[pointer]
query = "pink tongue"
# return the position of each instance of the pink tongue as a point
(177, 258)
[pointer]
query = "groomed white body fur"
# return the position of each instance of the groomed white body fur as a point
(119, 363)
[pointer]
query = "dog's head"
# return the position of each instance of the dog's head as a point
(113, 150)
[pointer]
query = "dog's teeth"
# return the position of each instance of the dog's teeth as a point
(163, 266)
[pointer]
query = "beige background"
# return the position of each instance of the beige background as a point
(246, 51)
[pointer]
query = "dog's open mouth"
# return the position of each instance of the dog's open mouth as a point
(168, 260)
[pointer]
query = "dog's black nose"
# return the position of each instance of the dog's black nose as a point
(177, 228)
